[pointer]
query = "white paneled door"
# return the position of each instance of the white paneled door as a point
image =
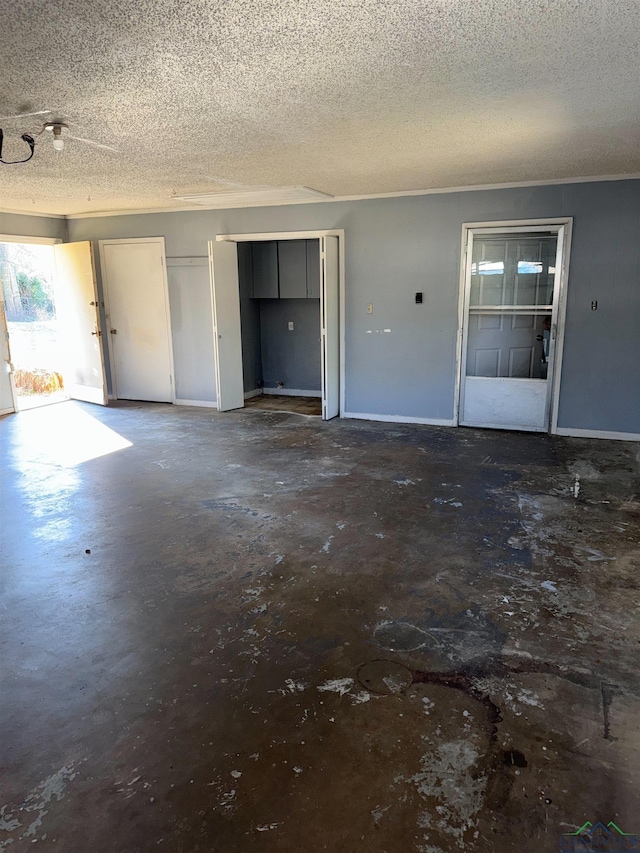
(78, 316)
(330, 300)
(137, 304)
(510, 327)
(227, 335)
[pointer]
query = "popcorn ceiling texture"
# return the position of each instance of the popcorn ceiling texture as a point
(346, 96)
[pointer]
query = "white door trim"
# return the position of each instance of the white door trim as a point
(279, 235)
(105, 293)
(43, 241)
(563, 225)
(311, 235)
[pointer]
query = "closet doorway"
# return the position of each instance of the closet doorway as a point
(276, 318)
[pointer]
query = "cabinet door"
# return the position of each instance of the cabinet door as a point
(292, 266)
(313, 269)
(245, 270)
(264, 258)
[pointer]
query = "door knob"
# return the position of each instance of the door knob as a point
(539, 338)
(114, 331)
(97, 334)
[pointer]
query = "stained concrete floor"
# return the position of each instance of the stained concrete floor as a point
(280, 403)
(291, 635)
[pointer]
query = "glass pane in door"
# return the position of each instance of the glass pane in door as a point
(489, 283)
(509, 344)
(534, 270)
(513, 270)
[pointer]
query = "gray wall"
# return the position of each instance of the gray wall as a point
(18, 225)
(291, 357)
(394, 247)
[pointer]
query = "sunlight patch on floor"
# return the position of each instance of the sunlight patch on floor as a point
(67, 435)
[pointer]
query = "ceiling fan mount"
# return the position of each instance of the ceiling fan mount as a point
(56, 127)
(60, 131)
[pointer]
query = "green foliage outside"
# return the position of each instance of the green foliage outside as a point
(36, 302)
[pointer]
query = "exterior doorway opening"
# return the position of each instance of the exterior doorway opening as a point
(50, 335)
(34, 338)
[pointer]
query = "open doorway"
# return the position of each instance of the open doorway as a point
(50, 334)
(279, 284)
(276, 319)
(27, 272)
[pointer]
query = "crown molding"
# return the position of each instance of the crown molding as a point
(588, 179)
(32, 213)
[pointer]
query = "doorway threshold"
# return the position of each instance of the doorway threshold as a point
(309, 406)
(25, 402)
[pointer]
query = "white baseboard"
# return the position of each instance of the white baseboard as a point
(292, 392)
(203, 403)
(597, 433)
(7, 412)
(248, 395)
(399, 419)
(509, 427)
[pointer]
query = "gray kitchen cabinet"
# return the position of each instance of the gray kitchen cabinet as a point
(292, 268)
(313, 269)
(264, 258)
(245, 270)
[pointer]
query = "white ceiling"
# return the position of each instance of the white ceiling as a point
(349, 97)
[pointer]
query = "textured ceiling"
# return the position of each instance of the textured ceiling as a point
(346, 96)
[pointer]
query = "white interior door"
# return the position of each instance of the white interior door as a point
(227, 336)
(135, 282)
(7, 389)
(330, 320)
(510, 323)
(78, 316)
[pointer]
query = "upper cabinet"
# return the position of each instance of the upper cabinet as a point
(292, 267)
(245, 270)
(313, 269)
(264, 257)
(283, 269)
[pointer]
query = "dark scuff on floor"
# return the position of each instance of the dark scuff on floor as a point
(293, 635)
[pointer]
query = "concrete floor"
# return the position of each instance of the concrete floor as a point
(297, 636)
(280, 403)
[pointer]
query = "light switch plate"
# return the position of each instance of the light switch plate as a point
(290, 325)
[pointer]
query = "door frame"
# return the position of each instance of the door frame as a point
(4, 330)
(309, 235)
(563, 225)
(105, 292)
